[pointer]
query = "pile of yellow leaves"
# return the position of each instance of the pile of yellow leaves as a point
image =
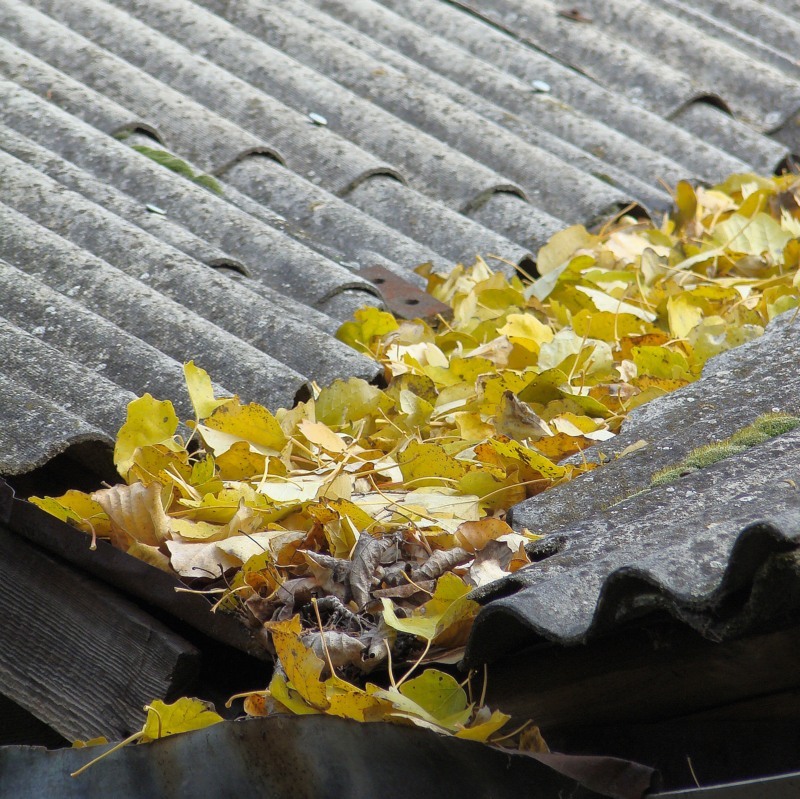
(350, 529)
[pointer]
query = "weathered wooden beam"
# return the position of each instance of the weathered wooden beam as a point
(640, 675)
(77, 655)
(125, 573)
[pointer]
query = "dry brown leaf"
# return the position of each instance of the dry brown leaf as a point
(136, 514)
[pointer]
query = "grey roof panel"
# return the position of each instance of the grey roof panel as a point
(617, 54)
(256, 122)
(272, 257)
(510, 214)
(532, 115)
(269, 757)
(431, 223)
(224, 303)
(620, 548)
(355, 234)
(36, 429)
(143, 312)
(394, 116)
(750, 25)
(502, 49)
(315, 151)
(46, 371)
(88, 339)
(578, 184)
(714, 125)
(686, 549)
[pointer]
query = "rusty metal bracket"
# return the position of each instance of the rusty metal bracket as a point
(404, 299)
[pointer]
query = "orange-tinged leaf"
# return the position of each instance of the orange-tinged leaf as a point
(474, 536)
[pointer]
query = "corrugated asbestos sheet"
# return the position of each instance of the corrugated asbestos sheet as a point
(716, 549)
(316, 757)
(342, 136)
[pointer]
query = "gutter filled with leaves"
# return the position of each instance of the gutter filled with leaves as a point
(350, 530)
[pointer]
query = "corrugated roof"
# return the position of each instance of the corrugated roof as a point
(343, 135)
(700, 548)
(320, 757)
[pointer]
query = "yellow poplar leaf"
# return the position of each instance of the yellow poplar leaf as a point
(517, 420)
(76, 508)
(184, 715)
(455, 612)
(485, 729)
(361, 519)
(349, 400)
(148, 422)
(459, 370)
(321, 435)
(474, 536)
(415, 625)
(252, 423)
(136, 513)
(301, 666)
(562, 246)
(421, 385)
(368, 323)
(291, 700)
(158, 463)
(531, 459)
(196, 531)
(661, 362)
(354, 703)
(471, 427)
(544, 388)
(419, 461)
(758, 235)
(152, 555)
(686, 201)
(201, 392)
(492, 387)
(527, 330)
(684, 315)
(606, 326)
(240, 462)
(99, 741)
(605, 302)
(416, 409)
(439, 694)
(202, 471)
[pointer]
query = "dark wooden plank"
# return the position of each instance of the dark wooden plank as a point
(75, 654)
(125, 573)
(642, 676)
